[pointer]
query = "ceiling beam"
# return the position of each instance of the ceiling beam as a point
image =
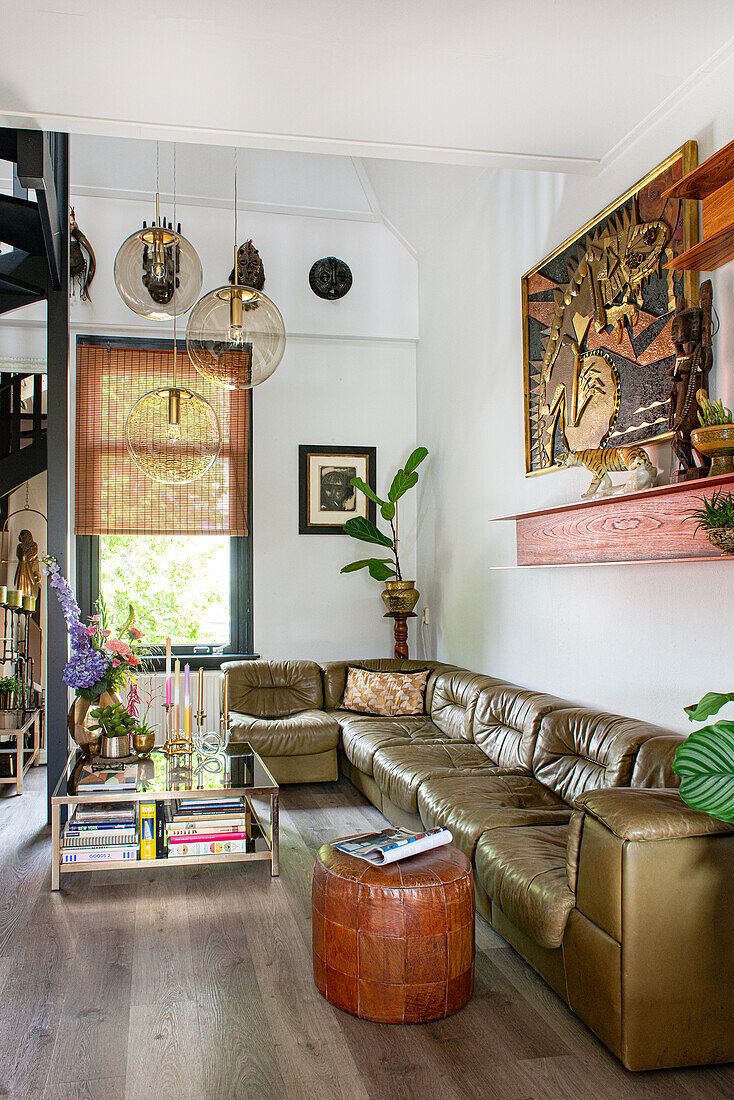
(35, 170)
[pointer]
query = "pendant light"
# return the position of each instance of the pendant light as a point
(157, 271)
(235, 334)
(172, 433)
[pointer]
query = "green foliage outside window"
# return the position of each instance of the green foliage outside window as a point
(179, 586)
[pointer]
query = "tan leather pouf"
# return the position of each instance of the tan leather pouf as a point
(394, 944)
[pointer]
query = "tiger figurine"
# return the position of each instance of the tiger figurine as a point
(605, 460)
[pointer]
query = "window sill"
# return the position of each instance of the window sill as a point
(208, 661)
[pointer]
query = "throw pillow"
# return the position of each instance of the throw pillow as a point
(387, 694)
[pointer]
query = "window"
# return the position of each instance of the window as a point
(181, 554)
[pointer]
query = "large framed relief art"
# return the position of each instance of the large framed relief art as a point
(597, 315)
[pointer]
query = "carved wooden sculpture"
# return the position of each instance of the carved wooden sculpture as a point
(691, 333)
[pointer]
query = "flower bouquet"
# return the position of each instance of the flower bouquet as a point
(100, 664)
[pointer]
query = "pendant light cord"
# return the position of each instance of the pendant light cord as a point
(173, 246)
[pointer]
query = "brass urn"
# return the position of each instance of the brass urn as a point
(722, 538)
(400, 597)
(80, 720)
(716, 441)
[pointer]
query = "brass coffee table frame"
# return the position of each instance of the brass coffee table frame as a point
(270, 836)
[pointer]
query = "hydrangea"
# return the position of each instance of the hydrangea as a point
(85, 669)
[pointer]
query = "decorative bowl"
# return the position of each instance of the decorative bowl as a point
(143, 743)
(716, 441)
(722, 538)
(400, 597)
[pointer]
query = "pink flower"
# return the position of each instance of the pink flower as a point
(116, 662)
(133, 660)
(95, 618)
(122, 649)
(91, 631)
(135, 633)
(105, 633)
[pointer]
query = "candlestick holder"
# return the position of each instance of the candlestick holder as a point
(177, 743)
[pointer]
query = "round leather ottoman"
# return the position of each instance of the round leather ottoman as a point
(394, 944)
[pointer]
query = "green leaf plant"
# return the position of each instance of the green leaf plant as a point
(705, 760)
(383, 569)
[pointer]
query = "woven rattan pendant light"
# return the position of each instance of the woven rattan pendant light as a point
(235, 334)
(157, 271)
(172, 433)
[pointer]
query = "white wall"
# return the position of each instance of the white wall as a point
(642, 640)
(348, 377)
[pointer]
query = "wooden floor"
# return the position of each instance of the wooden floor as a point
(195, 984)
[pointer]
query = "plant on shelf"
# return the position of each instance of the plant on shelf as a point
(112, 721)
(715, 437)
(400, 596)
(715, 518)
(100, 665)
(8, 688)
(705, 760)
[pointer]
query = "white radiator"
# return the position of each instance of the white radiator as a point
(157, 714)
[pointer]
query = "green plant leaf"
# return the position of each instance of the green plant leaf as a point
(711, 703)
(361, 528)
(415, 459)
(705, 764)
(355, 565)
(363, 487)
(400, 485)
(388, 510)
(381, 570)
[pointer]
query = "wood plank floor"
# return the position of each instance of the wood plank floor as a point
(195, 984)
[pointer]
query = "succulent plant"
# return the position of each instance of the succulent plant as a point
(712, 412)
(112, 721)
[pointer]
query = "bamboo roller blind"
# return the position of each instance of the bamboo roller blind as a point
(112, 495)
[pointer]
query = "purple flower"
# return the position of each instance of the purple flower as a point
(85, 669)
(69, 606)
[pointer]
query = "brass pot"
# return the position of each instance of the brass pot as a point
(716, 441)
(400, 597)
(79, 721)
(722, 538)
(114, 748)
(143, 743)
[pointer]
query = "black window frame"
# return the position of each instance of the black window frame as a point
(241, 645)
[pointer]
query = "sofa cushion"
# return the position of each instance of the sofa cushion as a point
(505, 721)
(273, 689)
(641, 815)
(654, 761)
(334, 675)
(363, 736)
(470, 805)
(454, 694)
(399, 770)
(524, 872)
(582, 750)
(294, 735)
(386, 694)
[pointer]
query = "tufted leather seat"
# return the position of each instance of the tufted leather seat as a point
(524, 872)
(399, 770)
(469, 806)
(362, 736)
(308, 731)
(506, 721)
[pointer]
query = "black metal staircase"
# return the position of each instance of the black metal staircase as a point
(23, 451)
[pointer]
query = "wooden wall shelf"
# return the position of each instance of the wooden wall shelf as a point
(648, 526)
(713, 183)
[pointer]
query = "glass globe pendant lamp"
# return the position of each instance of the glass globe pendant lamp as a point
(173, 434)
(235, 335)
(157, 271)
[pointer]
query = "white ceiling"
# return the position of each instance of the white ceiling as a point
(537, 83)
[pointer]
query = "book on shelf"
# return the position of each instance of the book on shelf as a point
(99, 839)
(206, 825)
(100, 855)
(208, 805)
(389, 845)
(113, 777)
(105, 811)
(203, 838)
(209, 848)
(91, 827)
(148, 830)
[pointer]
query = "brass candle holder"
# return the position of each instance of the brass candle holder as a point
(177, 744)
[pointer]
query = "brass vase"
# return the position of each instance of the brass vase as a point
(114, 748)
(722, 538)
(79, 721)
(400, 597)
(143, 743)
(716, 441)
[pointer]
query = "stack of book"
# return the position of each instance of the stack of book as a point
(100, 834)
(199, 828)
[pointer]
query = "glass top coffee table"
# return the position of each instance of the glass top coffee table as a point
(201, 805)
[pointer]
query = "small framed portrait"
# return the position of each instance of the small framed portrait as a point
(326, 496)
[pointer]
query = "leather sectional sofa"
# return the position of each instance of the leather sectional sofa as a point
(585, 858)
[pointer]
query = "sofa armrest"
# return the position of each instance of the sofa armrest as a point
(639, 813)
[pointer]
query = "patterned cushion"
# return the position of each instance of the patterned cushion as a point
(387, 694)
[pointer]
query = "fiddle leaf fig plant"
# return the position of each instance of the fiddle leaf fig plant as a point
(383, 569)
(705, 760)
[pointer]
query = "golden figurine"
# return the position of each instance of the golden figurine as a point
(27, 579)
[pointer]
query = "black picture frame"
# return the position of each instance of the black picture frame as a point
(365, 466)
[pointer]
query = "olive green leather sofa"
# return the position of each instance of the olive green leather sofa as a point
(585, 858)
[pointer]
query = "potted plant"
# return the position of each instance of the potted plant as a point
(114, 726)
(715, 437)
(705, 760)
(716, 520)
(400, 596)
(8, 688)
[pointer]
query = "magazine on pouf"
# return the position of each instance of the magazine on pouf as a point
(392, 844)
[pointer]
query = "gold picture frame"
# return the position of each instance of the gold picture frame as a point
(596, 316)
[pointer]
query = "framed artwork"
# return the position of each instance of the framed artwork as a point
(326, 499)
(597, 317)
